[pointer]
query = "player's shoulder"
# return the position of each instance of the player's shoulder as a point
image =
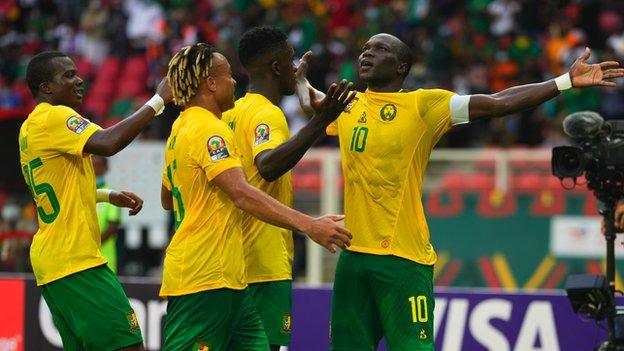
(435, 93)
(62, 111)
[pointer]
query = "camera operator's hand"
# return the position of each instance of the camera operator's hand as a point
(619, 220)
(584, 74)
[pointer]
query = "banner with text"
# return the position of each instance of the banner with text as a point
(464, 319)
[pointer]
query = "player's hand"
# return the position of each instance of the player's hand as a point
(164, 90)
(336, 99)
(584, 74)
(325, 232)
(301, 71)
(128, 200)
(618, 220)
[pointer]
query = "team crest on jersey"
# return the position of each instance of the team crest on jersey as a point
(133, 321)
(388, 112)
(287, 323)
(77, 124)
(200, 346)
(217, 148)
(262, 134)
(351, 104)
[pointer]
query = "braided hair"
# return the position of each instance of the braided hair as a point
(187, 69)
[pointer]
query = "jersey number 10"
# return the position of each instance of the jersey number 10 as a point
(358, 139)
(419, 308)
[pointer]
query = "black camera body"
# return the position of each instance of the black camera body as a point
(600, 157)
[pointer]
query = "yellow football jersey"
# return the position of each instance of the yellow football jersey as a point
(61, 179)
(258, 126)
(206, 251)
(385, 143)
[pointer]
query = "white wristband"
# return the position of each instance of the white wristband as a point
(102, 195)
(157, 104)
(564, 81)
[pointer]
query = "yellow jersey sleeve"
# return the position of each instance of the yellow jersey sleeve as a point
(68, 131)
(215, 151)
(434, 107)
(268, 129)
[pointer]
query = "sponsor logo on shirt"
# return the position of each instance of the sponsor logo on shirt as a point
(133, 321)
(262, 134)
(351, 104)
(77, 124)
(388, 112)
(287, 323)
(362, 118)
(217, 148)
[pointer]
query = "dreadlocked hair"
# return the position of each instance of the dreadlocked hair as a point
(187, 69)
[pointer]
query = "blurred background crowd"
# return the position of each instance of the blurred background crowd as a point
(475, 46)
(122, 48)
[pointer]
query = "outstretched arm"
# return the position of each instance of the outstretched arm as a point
(323, 230)
(274, 163)
(516, 99)
(110, 141)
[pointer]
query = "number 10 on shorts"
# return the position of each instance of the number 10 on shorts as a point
(419, 308)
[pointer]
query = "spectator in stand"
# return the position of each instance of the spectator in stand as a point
(509, 37)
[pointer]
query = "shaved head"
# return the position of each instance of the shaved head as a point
(401, 49)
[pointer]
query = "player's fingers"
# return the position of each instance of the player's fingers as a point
(336, 218)
(613, 73)
(609, 64)
(341, 86)
(306, 56)
(605, 83)
(344, 231)
(330, 247)
(349, 98)
(345, 94)
(342, 238)
(332, 90)
(585, 55)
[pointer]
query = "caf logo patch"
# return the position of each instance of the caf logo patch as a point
(133, 321)
(77, 124)
(388, 112)
(351, 104)
(200, 346)
(287, 323)
(262, 133)
(217, 148)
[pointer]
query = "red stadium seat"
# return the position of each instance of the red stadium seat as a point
(467, 181)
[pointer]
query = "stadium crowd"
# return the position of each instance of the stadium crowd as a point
(474, 46)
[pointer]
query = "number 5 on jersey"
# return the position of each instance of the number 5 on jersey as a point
(41, 189)
(178, 213)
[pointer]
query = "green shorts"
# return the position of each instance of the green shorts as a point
(274, 303)
(91, 311)
(376, 296)
(215, 320)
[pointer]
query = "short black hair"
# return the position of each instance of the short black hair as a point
(259, 41)
(40, 70)
(404, 54)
